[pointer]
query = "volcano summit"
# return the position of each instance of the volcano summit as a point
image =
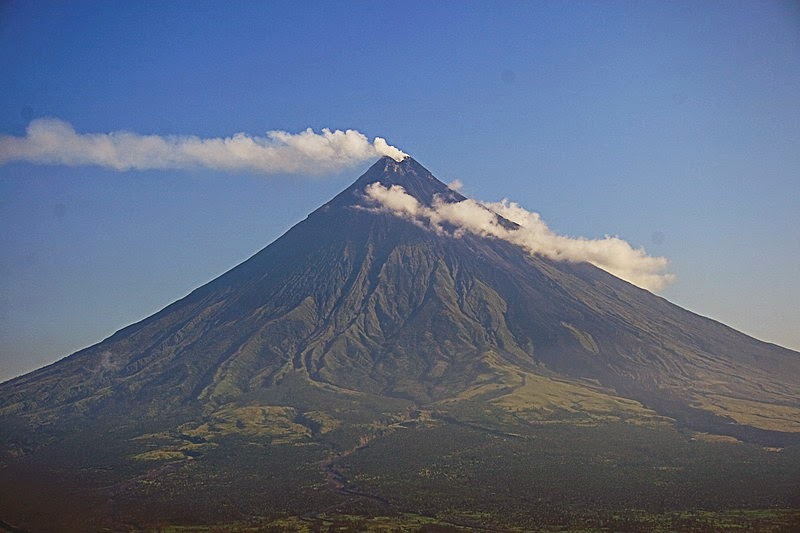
(366, 370)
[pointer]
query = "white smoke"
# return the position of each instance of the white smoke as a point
(612, 254)
(53, 141)
(455, 185)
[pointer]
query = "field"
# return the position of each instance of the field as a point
(427, 470)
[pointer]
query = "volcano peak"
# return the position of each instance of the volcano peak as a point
(409, 174)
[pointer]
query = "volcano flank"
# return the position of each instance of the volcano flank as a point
(365, 368)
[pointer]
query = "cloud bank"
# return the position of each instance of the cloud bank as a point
(612, 254)
(55, 142)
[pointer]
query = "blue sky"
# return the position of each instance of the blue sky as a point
(674, 125)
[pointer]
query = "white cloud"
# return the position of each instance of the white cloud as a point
(455, 185)
(395, 199)
(53, 141)
(612, 254)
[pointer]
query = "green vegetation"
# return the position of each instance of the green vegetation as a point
(761, 415)
(762, 520)
(472, 466)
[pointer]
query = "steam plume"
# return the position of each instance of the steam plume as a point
(53, 141)
(612, 254)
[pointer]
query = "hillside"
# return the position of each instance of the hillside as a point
(361, 356)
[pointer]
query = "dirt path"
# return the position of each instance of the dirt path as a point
(339, 483)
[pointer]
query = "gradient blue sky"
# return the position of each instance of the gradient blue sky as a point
(675, 125)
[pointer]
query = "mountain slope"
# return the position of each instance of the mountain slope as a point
(365, 301)
(363, 365)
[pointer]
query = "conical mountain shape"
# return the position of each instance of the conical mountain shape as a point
(355, 300)
(364, 365)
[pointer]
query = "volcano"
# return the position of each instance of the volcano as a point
(362, 367)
